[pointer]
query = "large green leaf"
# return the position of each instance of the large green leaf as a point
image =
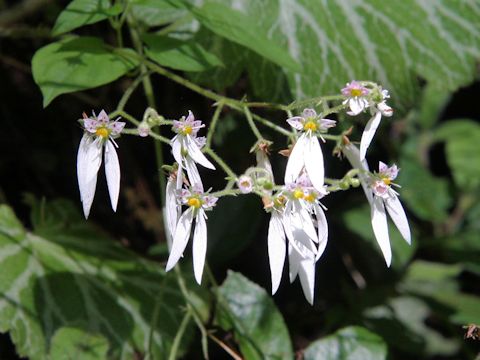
(83, 12)
(243, 30)
(250, 312)
(351, 343)
(66, 287)
(462, 137)
(386, 41)
(178, 54)
(76, 64)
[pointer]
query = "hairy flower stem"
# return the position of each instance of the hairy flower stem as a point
(213, 124)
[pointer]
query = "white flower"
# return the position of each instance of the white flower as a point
(378, 107)
(387, 198)
(292, 211)
(99, 133)
(197, 203)
(186, 147)
(172, 205)
(307, 152)
(380, 196)
(356, 97)
(245, 184)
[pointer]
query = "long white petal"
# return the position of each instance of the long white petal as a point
(193, 174)
(294, 259)
(306, 224)
(196, 154)
(87, 171)
(380, 228)
(322, 230)
(368, 133)
(276, 249)
(296, 160)
(87, 194)
(112, 171)
(307, 278)
(353, 155)
(199, 245)
(171, 210)
(396, 212)
(180, 239)
(289, 230)
(177, 149)
(314, 163)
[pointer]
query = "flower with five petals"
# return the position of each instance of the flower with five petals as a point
(307, 153)
(99, 133)
(197, 202)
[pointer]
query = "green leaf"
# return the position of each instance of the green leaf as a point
(391, 42)
(84, 12)
(228, 52)
(437, 281)
(243, 30)
(402, 324)
(87, 346)
(351, 343)
(462, 138)
(418, 185)
(178, 54)
(258, 326)
(434, 100)
(76, 64)
(157, 12)
(66, 275)
(358, 221)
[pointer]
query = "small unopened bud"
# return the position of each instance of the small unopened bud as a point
(143, 129)
(344, 184)
(354, 182)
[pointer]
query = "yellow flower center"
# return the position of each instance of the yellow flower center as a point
(356, 92)
(298, 194)
(188, 130)
(194, 202)
(310, 125)
(387, 181)
(310, 197)
(103, 132)
(279, 201)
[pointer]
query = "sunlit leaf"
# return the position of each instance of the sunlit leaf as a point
(66, 275)
(243, 30)
(391, 42)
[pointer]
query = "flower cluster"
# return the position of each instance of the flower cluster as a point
(186, 149)
(362, 96)
(298, 227)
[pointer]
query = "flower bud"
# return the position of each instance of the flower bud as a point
(143, 129)
(344, 184)
(354, 182)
